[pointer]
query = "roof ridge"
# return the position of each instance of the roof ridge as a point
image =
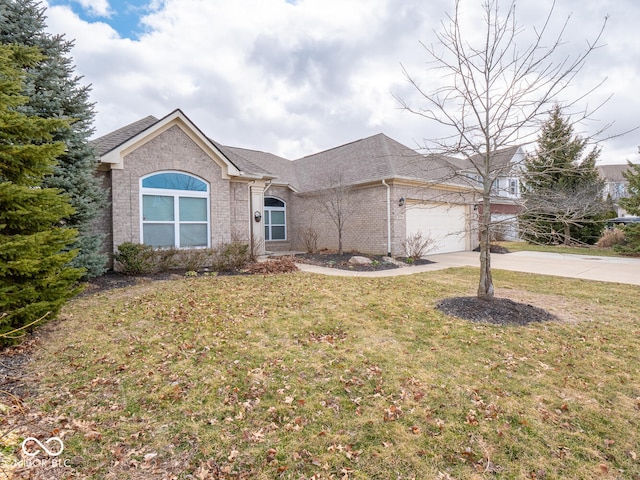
(339, 146)
(254, 150)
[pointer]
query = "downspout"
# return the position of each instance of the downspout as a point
(388, 216)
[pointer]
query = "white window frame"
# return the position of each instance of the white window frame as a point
(268, 238)
(176, 194)
(513, 186)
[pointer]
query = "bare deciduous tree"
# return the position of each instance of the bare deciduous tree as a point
(566, 207)
(496, 95)
(337, 203)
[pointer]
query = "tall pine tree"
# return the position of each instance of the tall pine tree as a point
(54, 91)
(632, 202)
(35, 276)
(561, 190)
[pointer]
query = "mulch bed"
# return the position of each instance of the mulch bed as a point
(494, 248)
(334, 260)
(499, 311)
(12, 373)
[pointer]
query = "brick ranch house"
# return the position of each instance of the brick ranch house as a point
(172, 186)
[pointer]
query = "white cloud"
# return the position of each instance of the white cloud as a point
(97, 8)
(297, 78)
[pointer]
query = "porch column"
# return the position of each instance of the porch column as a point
(256, 205)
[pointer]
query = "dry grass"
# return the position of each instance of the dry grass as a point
(304, 376)
(571, 250)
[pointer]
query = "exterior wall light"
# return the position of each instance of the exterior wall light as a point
(257, 216)
(402, 201)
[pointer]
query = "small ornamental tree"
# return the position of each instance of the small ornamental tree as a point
(338, 204)
(496, 89)
(54, 91)
(35, 276)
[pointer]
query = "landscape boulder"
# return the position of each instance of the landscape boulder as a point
(358, 260)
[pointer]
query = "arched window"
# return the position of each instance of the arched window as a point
(275, 219)
(175, 210)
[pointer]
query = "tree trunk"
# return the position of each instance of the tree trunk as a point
(485, 286)
(567, 234)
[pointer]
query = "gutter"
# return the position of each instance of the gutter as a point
(388, 216)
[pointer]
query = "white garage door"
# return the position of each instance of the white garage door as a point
(446, 224)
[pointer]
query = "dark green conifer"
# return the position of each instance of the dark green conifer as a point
(54, 91)
(561, 187)
(35, 255)
(631, 203)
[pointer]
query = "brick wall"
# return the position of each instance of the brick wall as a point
(366, 226)
(239, 215)
(174, 150)
(365, 229)
(102, 223)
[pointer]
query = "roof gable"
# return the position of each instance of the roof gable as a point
(613, 173)
(116, 138)
(115, 146)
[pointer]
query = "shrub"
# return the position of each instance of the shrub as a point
(631, 245)
(278, 265)
(230, 257)
(309, 239)
(165, 259)
(140, 259)
(417, 245)
(195, 259)
(611, 237)
(135, 258)
(257, 245)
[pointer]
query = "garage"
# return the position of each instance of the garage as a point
(445, 223)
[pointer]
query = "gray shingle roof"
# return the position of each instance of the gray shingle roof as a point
(116, 138)
(501, 159)
(613, 173)
(256, 162)
(370, 159)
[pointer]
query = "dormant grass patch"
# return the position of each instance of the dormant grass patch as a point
(305, 376)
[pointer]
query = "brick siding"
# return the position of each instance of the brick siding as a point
(174, 150)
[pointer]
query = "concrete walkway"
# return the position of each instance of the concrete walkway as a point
(604, 269)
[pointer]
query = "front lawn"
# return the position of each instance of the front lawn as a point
(572, 250)
(306, 376)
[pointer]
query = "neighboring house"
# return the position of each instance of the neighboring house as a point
(505, 198)
(615, 185)
(172, 186)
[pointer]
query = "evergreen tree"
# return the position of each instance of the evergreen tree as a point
(632, 202)
(562, 191)
(35, 276)
(54, 91)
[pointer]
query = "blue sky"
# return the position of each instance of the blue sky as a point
(295, 77)
(122, 15)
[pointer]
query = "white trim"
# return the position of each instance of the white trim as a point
(176, 118)
(176, 194)
(275, 209)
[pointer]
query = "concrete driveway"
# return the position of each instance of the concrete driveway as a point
(587, 267)
(604, 269)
